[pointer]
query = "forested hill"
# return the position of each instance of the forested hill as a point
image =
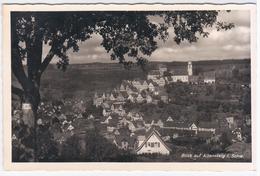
(82, 80)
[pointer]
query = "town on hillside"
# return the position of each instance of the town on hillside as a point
(170, 113)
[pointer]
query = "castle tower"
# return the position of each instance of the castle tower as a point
(189, 68)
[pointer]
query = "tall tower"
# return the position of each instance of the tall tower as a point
(189, 68)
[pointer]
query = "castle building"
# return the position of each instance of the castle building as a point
(183, 75)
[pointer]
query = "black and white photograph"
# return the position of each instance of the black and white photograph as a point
(120, 86)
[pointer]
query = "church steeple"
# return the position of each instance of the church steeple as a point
(190, 68)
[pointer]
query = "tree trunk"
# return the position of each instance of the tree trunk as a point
(30, 102)
(30, 106)
(30, 82)
(28, 115)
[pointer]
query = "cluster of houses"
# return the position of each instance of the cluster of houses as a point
(135, 91)
(132, 133)
(152, 89)
(129, 131)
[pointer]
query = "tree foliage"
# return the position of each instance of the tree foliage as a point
(92, 147)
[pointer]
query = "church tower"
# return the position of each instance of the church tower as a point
(189, 68)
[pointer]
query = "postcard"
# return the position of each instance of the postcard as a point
(129, 87)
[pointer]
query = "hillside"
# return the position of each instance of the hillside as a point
(82, 80)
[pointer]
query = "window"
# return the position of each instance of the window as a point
(152, 144)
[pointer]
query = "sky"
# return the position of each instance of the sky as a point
(219, 45)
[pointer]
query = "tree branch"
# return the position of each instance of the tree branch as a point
(34, 47)
(18, 70)
(46, 62)
(18, 91)
(34, 57)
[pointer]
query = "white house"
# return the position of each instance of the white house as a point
(207, 127)
(97, 101)
(105, 105)
(129, 115)
(137, 117)
(181, 78)
(201, 127)
(209, 78)
(153, 74)
(123, 122)
(122, 87)
(106, 121)
(169, 119)
(112, 107)
(248, 120)
(70, 128)
(140, 85)
(156, 91)
(178, 126)
(91, 117)
(193, 127)
(237, 134)
(106, 112)
(131, 98)
(151, 87)
(145, 85)
(149, 99)
(230, 121)
(110, 129)
(128, 90)
(139, 98)
(112, 98)
(103, 96)
(136, 84)
(161, 82)
(121, 112)
(116, 132)
(152, 143)
(120, 97)
(131, 126)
